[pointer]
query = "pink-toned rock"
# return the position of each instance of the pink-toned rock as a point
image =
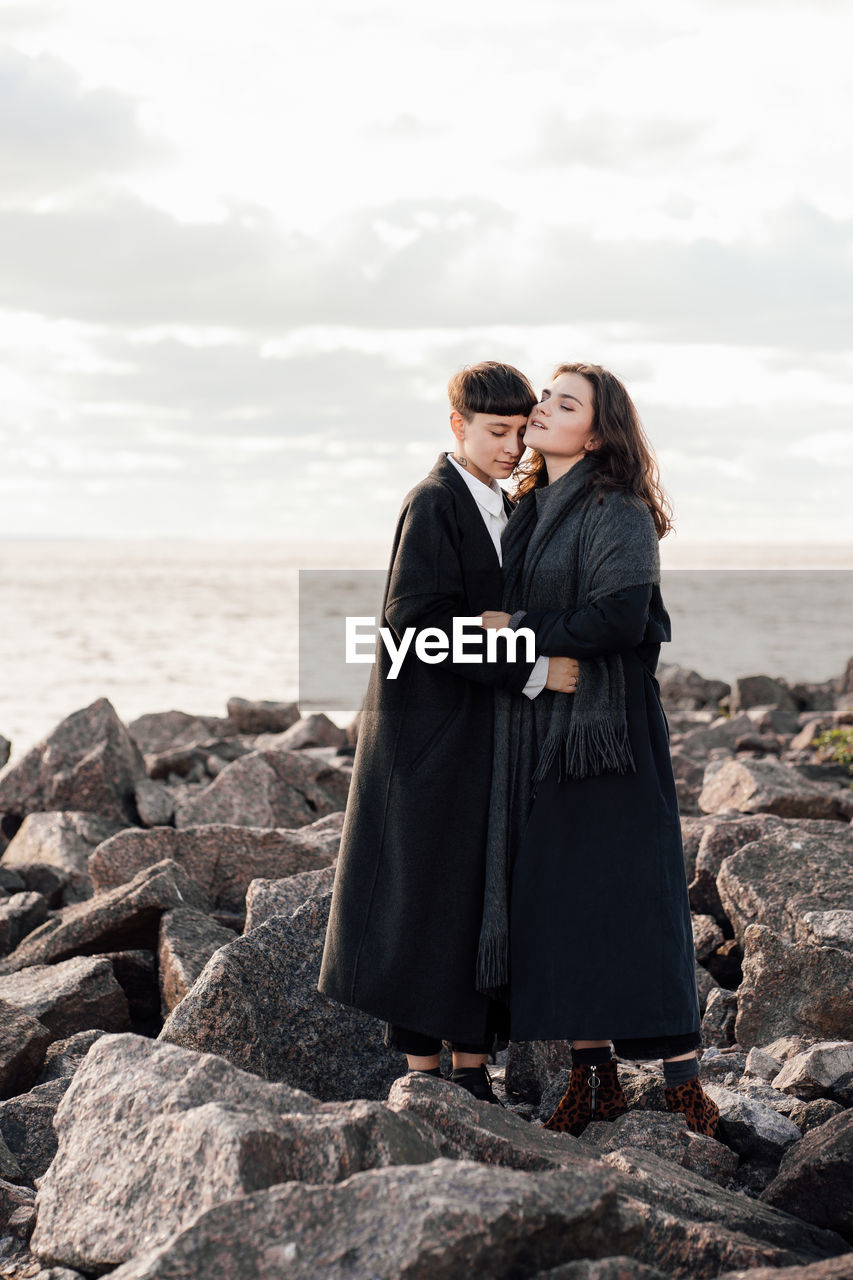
(256, 1003)
(829, 1269)
(223, 860)
(441, 1220)
(187, 940)
(89, 762)
(467, 1129)
(792, 989)
(151, 1135)
(23, 1042)
(310, 731)
(707, 936)
(160, 731)
(120, 919)
(71, 996)
(155, 803)
(265, 898)
(262, 717)
(768, 786)
(26, 1125)
(63, 840)
(776, 880)
(667, 1135)
(267, 789)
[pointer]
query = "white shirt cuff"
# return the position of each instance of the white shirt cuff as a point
(537, 678)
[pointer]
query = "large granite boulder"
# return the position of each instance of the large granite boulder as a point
(161, 731)
(63, 840)
(685, 688)
(151, 1135)
(441, 1220)
(223, 860)
(760, 691)
(792, 989)
(256, 1003)
(121, 919)
(266, 898)
(817, 1072)
(666, 1134)
(267, 789)
(261, 716)
(752, 1128)
(815, 1179)
(768, 786)
(89, 762)
(775, 880)
(73, 995)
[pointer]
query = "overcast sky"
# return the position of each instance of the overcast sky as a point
(243, 246)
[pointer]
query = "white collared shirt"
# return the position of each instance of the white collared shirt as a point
(490, 502)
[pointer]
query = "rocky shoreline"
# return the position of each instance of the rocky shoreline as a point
(177, 1100)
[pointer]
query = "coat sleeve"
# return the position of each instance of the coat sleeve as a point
(613, 623)
(427, 588)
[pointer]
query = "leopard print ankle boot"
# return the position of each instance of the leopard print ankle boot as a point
(594, 1093)
(700, 1111)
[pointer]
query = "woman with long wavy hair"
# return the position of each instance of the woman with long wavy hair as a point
(586, 915)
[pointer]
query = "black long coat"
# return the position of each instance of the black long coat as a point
(408, 896)
(600, 928)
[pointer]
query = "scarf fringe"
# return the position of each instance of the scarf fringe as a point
(493, 963)
(586, 750)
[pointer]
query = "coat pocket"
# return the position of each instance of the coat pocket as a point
(428, 747)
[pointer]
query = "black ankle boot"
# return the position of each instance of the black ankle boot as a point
(477, 1082)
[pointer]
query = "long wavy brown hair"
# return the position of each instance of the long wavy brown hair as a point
(624, 455)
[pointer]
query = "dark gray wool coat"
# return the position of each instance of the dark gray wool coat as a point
(408, 897)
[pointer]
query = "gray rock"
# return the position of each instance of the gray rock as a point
(187, 940)
(19, 915)
(441, 1220)
(152, 1135)
(815, 1178)
(774, 881)
(5, 750)
(266, 898)
(719, 1018)
(10, 1171)
(689, 774)
(762, 1064)
(760, 691)
(11, 881)
(668, 1136)
(89, 762)
(707, 936)
(261, 717)
(71, 996)
(17, 1212)
(37, 877)
(122, 919)
(768, 786)
(752, 1128)
(136, 973)
(155, 803)
(23, 1043)
(619, 1268)
(705, 984)
(531, 1066)
(223, 860)
(267, 789)
(720, 837)
(810, 1115)
(64, 1056)
(832, 928)
(257, 1004)
(62, 840)
(772, 720)
(26, 1125)
(792, 988)
(684, 687)
(815, 1073)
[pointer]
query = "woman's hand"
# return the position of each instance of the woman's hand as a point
(562, 675)
(492, 620)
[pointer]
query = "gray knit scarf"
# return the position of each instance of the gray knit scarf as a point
(565, 546)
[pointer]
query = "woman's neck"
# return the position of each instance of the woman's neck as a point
(558, 466)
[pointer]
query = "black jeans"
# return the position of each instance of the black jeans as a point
(417, 1045)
